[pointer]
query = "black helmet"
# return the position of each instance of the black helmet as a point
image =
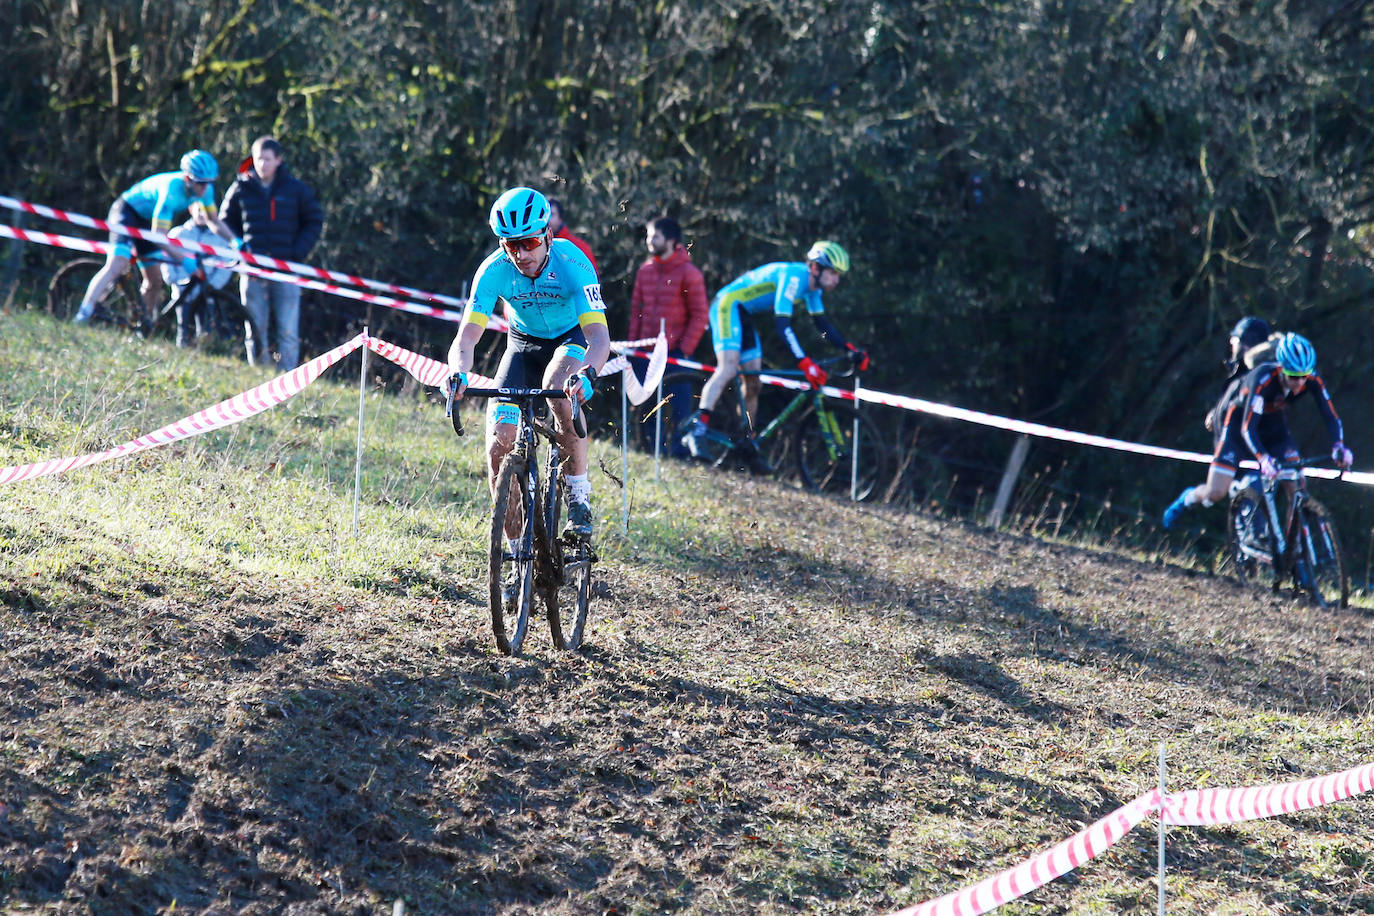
(1251, 332)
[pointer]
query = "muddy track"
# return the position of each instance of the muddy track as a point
(846, 719)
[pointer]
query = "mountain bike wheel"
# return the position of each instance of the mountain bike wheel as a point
(1240, 536)
(123, 302)
(567, 592)
(830, 472)
(1329, 584)
(510, 575)
(575, 594)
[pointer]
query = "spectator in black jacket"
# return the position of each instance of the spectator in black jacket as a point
(276, 214)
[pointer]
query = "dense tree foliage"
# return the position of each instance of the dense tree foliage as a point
(1055, 208)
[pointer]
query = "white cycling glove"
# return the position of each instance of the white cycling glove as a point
(1267, 468)
(1343, 456)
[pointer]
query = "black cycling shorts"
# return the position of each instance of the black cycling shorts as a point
(527, 358)
(121, 212)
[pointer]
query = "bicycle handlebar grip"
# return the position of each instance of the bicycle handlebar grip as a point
(579, 421)
(449, 412)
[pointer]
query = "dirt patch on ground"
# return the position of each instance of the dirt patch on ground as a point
(845, 716)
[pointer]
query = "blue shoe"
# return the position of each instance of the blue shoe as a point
(97, 313)
(696, 443)
(579, 520)
(1175, 509)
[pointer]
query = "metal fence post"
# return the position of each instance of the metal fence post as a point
(625, 455)
(358, 459)
(854, 457)
(1161, 828)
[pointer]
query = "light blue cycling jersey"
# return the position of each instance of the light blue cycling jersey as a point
(162, 199)
(566, 294)
(778, 288)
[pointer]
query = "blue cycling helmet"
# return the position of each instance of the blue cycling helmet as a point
(1296, 355)
(519, 213)
(200, 165)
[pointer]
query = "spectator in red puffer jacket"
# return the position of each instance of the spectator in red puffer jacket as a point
(560, 230)
(669, 289)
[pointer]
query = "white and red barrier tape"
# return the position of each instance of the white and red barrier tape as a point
(67, 241)
(904, 402)
(78, 219)
(1055, 862)
(233, 410)
(1198, 807)
(226, 413)
(497, 322)
(433, 373)
(1231, 806)
(919, 405)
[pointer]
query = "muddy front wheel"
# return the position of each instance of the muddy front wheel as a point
(510, 562)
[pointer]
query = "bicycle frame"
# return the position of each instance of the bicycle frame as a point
(809, 435)
(526, 447)
(541, 561)
(810, 396)
(1302, 544)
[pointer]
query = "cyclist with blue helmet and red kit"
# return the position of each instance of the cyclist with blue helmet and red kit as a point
(777, 288)
(157, 202)
(558, 335)
(1254, 424)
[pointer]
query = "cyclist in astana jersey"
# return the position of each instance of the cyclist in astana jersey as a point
(156, 203)
(778, 288)
(1255, 425)
(558, 335)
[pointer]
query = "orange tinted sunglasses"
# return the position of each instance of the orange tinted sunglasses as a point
(526, 244)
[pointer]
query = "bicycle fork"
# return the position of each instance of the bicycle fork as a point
(831, 432)
(1289, 558)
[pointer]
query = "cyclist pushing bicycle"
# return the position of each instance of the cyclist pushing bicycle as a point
(558, 336)
(777, 288)
(1254, 424)
(156, 203)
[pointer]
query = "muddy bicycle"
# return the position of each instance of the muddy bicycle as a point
(537, 560)
(1306, 550)
(828, 446)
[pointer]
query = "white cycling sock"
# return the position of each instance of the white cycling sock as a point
(579, 488)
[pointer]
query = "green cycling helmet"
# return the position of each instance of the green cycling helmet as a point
(829, 254)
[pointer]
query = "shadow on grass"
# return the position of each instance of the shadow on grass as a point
(1017, 621)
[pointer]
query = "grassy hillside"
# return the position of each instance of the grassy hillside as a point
(217, 699)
